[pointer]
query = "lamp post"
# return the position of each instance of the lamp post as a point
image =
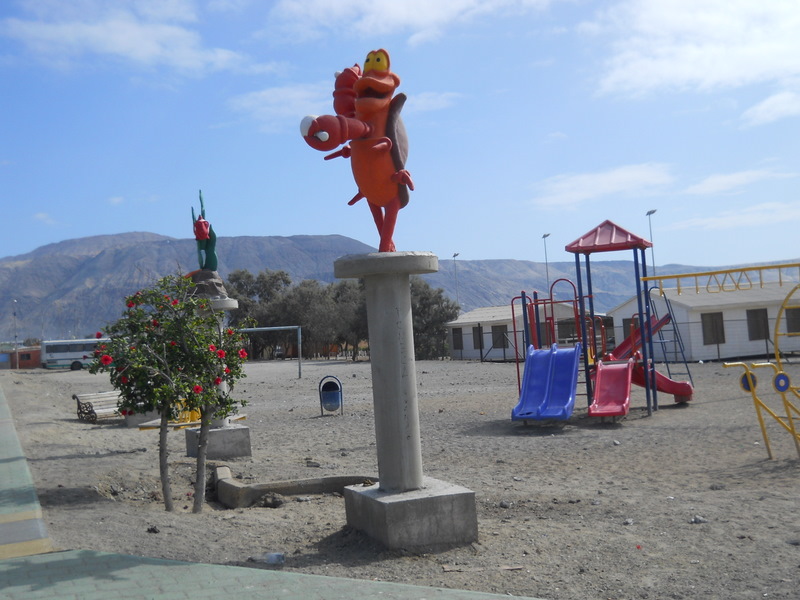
(455, 272)
(649, 214)
(16, 347)
(546, 266)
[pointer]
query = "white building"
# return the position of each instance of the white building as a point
(721, 325)
(488, 333)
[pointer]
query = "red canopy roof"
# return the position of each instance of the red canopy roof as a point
(607, 237)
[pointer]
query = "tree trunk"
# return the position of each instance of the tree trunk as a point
(202, 451)
(163, 463)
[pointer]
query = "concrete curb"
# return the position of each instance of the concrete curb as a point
(234, 494)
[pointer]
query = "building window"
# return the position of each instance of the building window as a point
(793, 320)
(25, 356)
(757, 324)
(713, 329)
(499, 336)
(477, 338)
(458, 338)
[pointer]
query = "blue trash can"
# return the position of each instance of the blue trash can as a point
(330, 395)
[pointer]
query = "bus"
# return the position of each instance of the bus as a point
(72, 354)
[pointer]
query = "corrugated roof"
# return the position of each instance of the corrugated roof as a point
(488, 314)
(607, 237)
(770, 293)
(502, 314)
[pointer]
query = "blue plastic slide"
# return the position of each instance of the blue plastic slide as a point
(548, 384)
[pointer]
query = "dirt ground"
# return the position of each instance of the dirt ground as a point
(682, 504)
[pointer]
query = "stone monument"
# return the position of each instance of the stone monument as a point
(225, 439)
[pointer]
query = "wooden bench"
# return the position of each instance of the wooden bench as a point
(101, 405)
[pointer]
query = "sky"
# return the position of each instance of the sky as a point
(525, 118)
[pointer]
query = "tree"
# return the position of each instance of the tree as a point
(432, 310)
(256, 295)
(350, 305)
(311, 306)
(169, 353)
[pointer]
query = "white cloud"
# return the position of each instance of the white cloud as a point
(686, 44)
(749, 216)
(429, 101)
(569, 191)
(422, 19)
(275, 107)
(733, 182)
(149, 33)
(116, 200)
(776, 107)
(45, 218)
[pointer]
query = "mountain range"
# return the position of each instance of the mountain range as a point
(73, 288)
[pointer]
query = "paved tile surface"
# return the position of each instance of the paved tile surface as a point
(30, 570)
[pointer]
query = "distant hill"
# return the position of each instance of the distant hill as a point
(75, 287)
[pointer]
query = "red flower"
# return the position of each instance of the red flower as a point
(131, 304)
(227, 369)
(106, 359)
(221, 353)
(123, 379)
(229, 331)
(242, 353)
(175, 302)
(98, 335)
(212, 347)
(218, 380)
(198, 389)
(155, 323)
(173, 343)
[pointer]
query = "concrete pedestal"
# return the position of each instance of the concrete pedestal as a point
(404, 509)
(137, 419)
(437, 513)
(232, 441)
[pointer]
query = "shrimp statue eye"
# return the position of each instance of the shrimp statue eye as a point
(377, 60)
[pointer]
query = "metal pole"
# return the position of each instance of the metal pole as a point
(546, 266)
(649, 214)
(455, 271)
(16, 346)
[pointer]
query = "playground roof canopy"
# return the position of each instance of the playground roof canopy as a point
(607, 237)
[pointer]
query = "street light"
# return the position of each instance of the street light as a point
(649, 214)
(16, 347)
(546, 266)
(455, 272)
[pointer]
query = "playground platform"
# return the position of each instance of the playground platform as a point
(30, 569)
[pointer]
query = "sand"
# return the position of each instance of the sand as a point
(681, 504)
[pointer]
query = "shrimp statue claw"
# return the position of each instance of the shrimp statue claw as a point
(368, 117)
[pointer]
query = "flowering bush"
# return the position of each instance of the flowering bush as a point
(170, 353)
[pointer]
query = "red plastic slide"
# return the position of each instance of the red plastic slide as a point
(631, 343)
(681, 390)
(612, 389)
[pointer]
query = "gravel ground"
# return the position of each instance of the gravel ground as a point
(682, 504)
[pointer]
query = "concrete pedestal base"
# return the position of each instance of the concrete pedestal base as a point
(232, 441)
(137, 419)
(438, 513)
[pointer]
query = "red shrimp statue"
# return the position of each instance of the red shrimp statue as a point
(368, 116)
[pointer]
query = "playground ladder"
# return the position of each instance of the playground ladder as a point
(671, 349)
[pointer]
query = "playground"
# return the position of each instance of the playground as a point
(683, 504)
